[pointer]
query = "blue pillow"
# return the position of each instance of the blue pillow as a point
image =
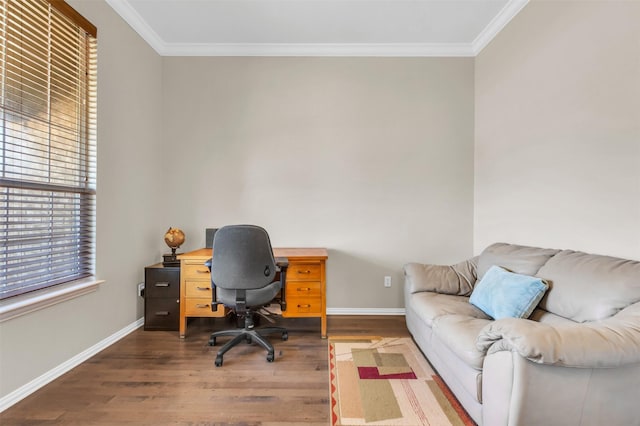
(504, 294)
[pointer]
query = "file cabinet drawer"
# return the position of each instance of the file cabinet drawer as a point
(162, 282)
(161, 314)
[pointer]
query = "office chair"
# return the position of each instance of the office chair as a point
(243, 270)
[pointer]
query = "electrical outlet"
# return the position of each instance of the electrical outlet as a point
(387, 281)
(141, 289)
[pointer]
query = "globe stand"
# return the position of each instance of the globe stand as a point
(173, 238)
(171, 259)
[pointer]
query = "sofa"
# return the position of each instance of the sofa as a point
(574, 361)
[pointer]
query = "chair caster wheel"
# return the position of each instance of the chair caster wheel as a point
(218, 361)
(212, 341)
(285, 336)
(270, 357)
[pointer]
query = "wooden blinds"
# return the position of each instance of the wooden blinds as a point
(47, 145)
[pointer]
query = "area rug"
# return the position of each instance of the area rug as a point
(387, 381)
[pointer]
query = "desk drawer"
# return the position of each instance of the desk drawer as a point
(201, 307)
(303, 272)
(196, 271)
(301, 306)
(304, 289)
(198, 289)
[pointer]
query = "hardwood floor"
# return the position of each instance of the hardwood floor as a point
(155, 378)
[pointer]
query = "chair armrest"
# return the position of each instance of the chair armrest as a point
(455, 279)
(214, 303)
(283, 263)
(610, 343)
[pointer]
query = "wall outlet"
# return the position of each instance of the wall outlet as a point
(141, 289)
(387, 281)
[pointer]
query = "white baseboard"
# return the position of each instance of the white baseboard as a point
(365, 311)
(26, 390)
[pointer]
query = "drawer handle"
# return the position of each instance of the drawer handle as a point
(203, 288)
(304, 272)
(304, 306)
(202, 271)
(304, 289)
(162, 313)
(162, 284)
(201, 305)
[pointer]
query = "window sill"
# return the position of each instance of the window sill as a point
(27, 303)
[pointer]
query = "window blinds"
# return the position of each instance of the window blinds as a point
(47, 145)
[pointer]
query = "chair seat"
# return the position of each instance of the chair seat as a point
(255, 297)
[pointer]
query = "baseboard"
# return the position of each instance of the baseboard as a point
(26, 390)
(365, 311)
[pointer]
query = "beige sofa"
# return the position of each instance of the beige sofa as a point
(575, 361)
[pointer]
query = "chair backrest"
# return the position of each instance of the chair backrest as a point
(242, 258)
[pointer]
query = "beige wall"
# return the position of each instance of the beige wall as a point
(130, 225)
(557, 142)
(371, 158)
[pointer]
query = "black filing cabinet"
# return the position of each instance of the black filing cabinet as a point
(161, 297)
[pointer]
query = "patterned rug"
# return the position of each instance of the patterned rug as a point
(387, 381)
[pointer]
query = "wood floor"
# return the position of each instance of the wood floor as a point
(155, 378)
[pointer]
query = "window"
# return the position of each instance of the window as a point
(47, 145)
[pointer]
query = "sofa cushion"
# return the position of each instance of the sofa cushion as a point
(429, 306)
(459, 334)
(455, 279)
(588, 287)
(504, 294)
(519, 259)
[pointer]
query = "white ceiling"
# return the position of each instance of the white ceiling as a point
(317, 27)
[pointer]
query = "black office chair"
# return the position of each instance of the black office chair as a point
(243, 270)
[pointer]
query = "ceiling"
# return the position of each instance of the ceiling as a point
(317, 27)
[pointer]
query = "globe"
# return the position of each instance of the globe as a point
(174, 238)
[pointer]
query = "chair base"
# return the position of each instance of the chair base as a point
(249, 335)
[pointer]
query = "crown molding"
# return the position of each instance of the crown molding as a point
(508, 12)
(131, 16)
(316, 49)
(139, 25)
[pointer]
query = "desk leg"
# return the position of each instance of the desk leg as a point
(323, 326)
(183, 326)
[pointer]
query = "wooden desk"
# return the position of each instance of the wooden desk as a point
(305, 287)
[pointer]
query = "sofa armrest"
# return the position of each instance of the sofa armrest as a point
(455, 279)
(609, 343)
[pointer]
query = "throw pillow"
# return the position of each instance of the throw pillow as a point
(504, 294)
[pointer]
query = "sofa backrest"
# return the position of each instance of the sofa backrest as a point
(589, 287)
(519, 259)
